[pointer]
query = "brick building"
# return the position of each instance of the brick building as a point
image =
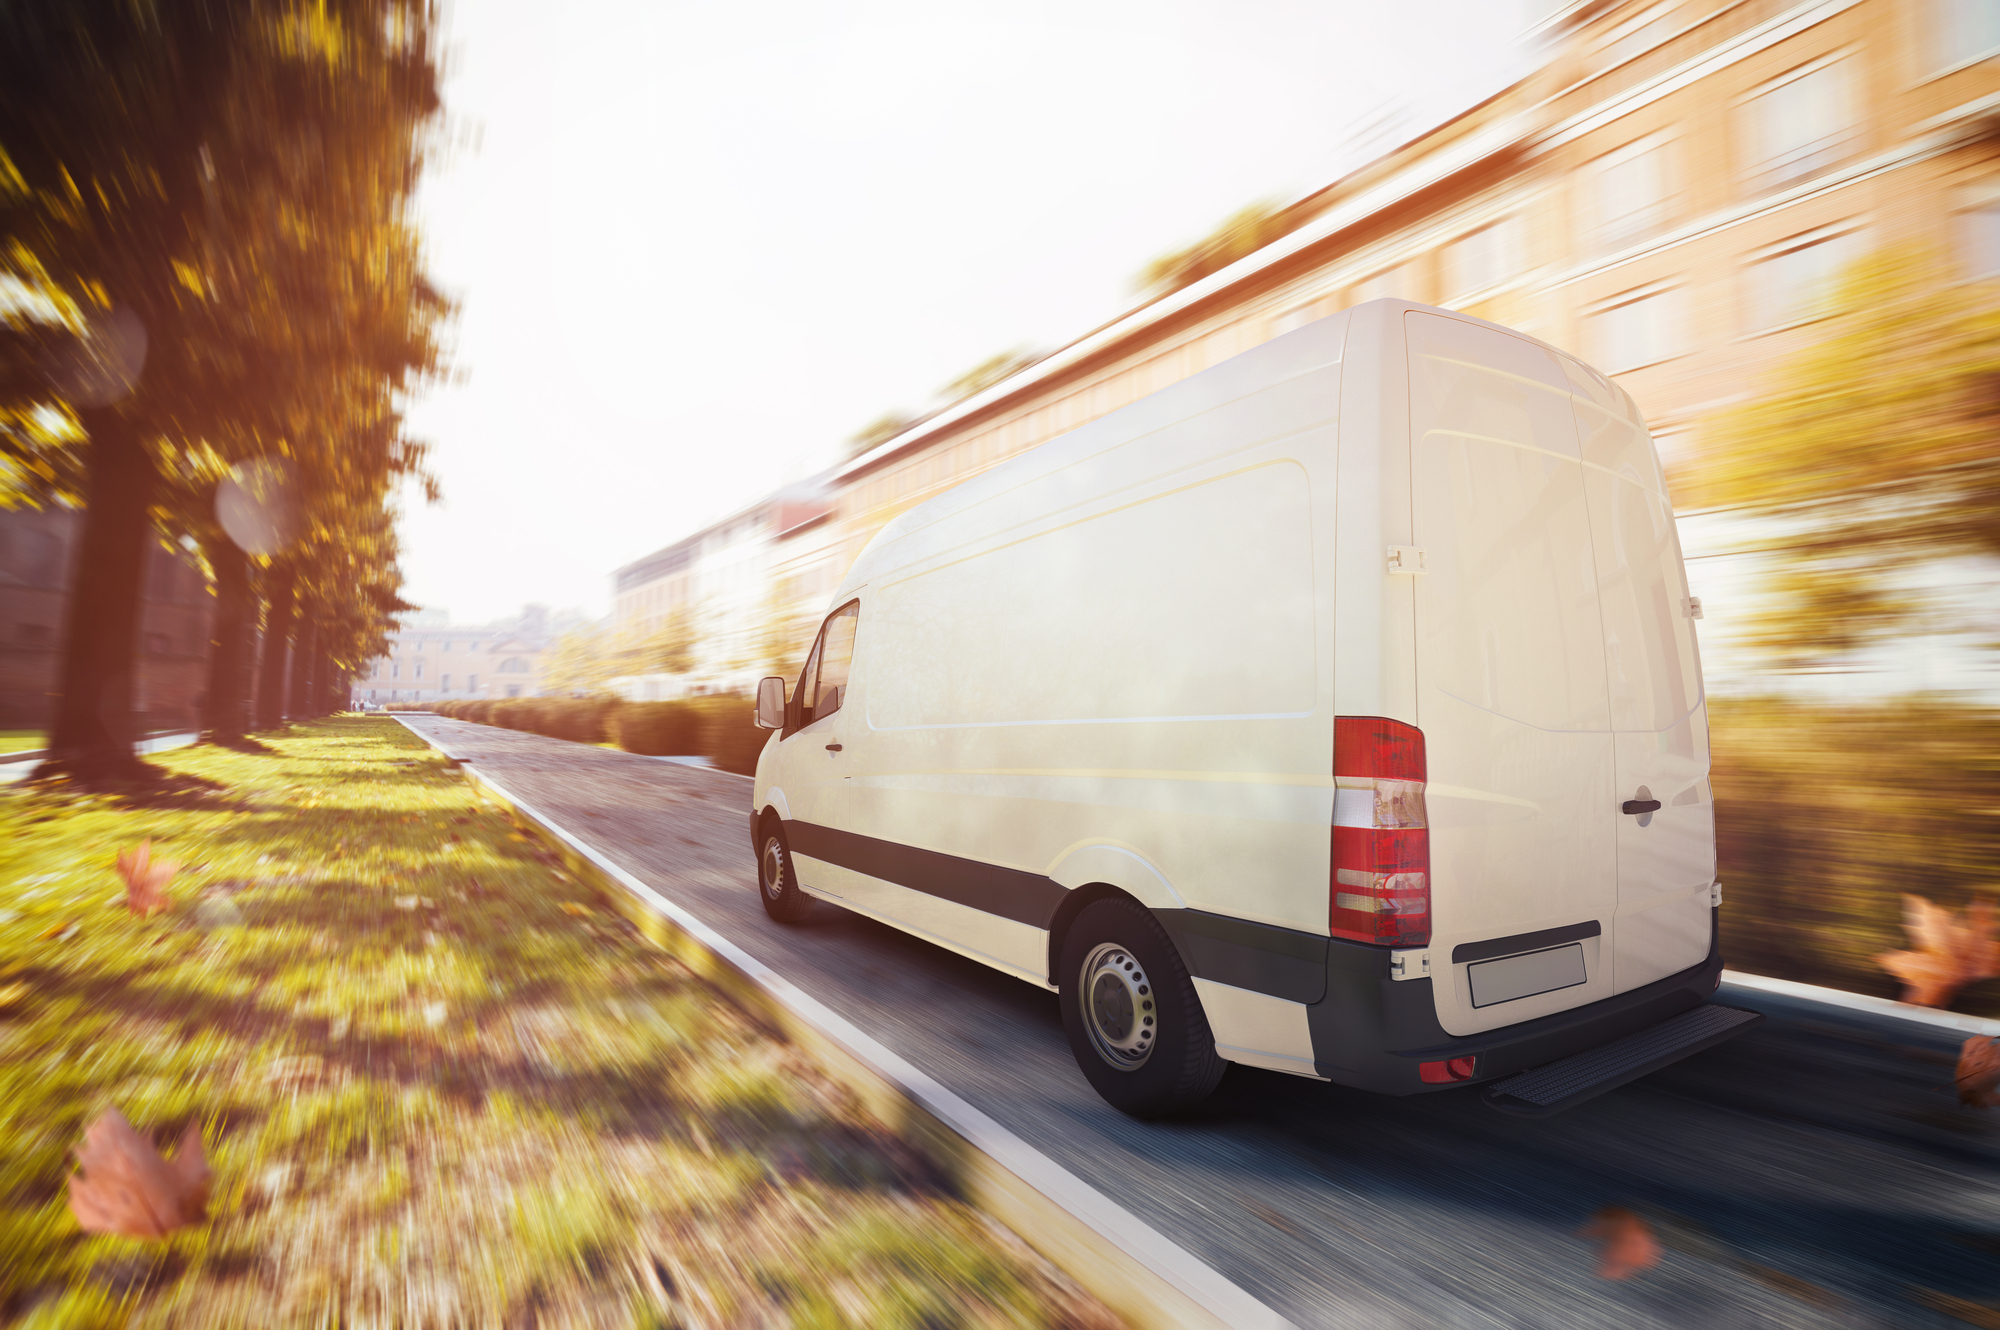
(37, 548)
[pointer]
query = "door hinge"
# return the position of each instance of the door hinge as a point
(1715, 893)
(1406, 559)
(1692, 607)
(1409, 965)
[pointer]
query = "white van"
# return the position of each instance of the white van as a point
(1336, 710)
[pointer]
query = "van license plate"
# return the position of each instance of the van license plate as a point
(1513, 977)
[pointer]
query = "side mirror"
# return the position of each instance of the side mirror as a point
(771, 703)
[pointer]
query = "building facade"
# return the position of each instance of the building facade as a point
(1670, 195)
(730, 599)
(430, 660)
(37, 550)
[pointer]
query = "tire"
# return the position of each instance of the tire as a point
(1134, 1020)
(778, 885)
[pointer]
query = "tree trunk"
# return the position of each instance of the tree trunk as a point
(336, 690)
(302, 663)
(277, 633)
(323, 680)
(91, 739)
(225, 716)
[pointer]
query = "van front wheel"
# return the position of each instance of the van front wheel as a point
(1134, 1020)
(776, 882)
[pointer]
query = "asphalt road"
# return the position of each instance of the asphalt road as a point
(1816, 1171)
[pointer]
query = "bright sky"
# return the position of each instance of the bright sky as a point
(697, 246)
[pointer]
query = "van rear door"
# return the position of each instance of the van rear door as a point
(1512, 693)
(1666, 858)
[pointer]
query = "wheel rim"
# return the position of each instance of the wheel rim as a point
(773, 864)
(1118, 1006)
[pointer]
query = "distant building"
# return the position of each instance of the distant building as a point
(37, 553)
(747, 590)
(432, 660)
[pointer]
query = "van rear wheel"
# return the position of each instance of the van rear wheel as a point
(777, 884)
(1134, 1020)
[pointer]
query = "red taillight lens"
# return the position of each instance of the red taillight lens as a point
(1381, 889)
(1444, 1073)
(1377, 746)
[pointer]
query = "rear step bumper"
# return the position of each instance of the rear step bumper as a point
(1569, 1081)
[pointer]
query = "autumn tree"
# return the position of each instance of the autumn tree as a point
(1240, 235)
(585, 661)
(986, 373)
(879, 431)
(1870, 460)
(207, 200)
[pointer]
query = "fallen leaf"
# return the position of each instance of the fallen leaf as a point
(1629, 1246)
(1978, 1078)
(61, 930)
(572, 907)
(146, 879)
(1955, 948)
(127, 1188)
(12, 993)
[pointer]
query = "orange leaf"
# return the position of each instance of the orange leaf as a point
(127, 1188)
(580, 911)
(1979, 1073)
(146, 879)
(1954, 949)
(1629, 1246)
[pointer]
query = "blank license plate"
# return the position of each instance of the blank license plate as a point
(1513, 977)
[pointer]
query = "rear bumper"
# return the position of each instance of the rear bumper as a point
(1371, 1031)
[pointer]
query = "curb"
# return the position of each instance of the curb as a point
(1874, 1006)
(1130, 1266)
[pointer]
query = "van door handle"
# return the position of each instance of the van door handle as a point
(834, 748)
(1638, 806)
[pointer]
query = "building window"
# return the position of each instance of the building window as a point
(1979, 239)
(444, 683)
(445, 646)
(513, 665)
(1482, 259)
(1798, 126)
(471, 683)
(1632, 195)
(1638, 328)
(395, 671)
(372, 695)
(420, 670)
(1962, 31)
(1634, 37)
(513, 690)
(1797, 280)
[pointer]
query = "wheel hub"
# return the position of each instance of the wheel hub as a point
(773, 865)
(1118, 1006)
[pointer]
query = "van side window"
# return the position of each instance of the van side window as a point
(825, 679)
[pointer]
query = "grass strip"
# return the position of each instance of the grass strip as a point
(440, 1083)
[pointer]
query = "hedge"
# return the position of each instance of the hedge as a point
(657, 729)
(719, 727)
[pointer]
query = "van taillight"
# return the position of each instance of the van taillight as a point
(1381, 890)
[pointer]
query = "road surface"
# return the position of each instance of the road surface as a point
(1816, 1171)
